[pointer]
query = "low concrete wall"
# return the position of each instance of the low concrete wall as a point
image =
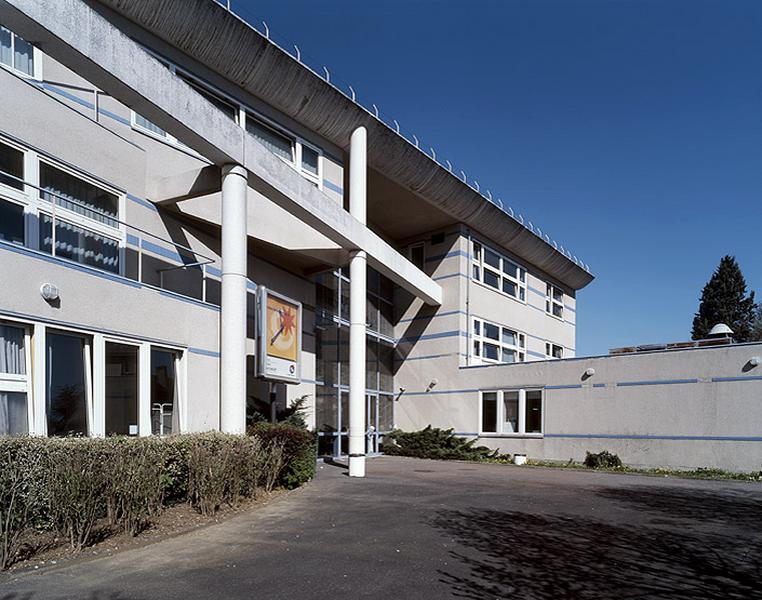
(689, 408)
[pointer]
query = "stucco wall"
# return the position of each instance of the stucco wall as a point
(688, 408)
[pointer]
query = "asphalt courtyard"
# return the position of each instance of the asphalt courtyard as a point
(432, 530)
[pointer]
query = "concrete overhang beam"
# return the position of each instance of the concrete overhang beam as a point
(82, 39)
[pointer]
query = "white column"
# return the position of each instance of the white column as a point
(233, 315)
(358, 169)
(39, 380)
(522, 411)
(144, 390)
(98, 426)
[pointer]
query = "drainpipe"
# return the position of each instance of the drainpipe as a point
(358, 170)
(233, 313)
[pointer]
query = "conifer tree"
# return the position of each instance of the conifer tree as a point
(724, 300)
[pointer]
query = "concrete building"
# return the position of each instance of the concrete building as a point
(161, 163)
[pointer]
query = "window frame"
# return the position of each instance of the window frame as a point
(550, 301)
(36, 58)
(500, 416)
(480, 338)
(21, 383)
(549, 351)
(479, 265)
(415, 246)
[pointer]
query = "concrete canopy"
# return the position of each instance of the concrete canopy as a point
(85, 41)
(207, 32)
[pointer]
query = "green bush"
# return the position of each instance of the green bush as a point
(299, 448)
(432, 442)
(21, 495)
(76, 486)
(602, 460)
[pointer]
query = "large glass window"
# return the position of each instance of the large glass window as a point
(12, 166)
(14, 381)
(78, 195)
(489, 412)
(11, 222)
(512, 412)
(164, 393)
(67, 383)
(498, 272)
(78, 244)
(16, 52)
(276, 142)
(121, 389)
(495, 343)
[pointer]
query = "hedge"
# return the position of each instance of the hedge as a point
(432, 442)
(71, 486)
(299, 448)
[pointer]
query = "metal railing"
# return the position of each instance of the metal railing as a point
(141, 244)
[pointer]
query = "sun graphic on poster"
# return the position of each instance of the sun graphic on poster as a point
(282, 334)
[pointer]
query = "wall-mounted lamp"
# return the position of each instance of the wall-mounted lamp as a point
(588, 374)
(754, 361)
(431, 385)
(49, 292)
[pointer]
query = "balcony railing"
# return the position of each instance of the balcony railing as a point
(71, 230)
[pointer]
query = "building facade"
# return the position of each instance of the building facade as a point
(162, 162)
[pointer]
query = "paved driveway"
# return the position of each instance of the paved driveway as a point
(433, 530)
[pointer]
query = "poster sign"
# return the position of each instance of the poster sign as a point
(279, 328)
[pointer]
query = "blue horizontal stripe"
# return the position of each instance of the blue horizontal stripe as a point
(572, 386)
(436, 392)
(452, 254)
(606, 436)
(203, 352)
(143, 203)
(537, 354)
(133, 240)
(430, 356)
(432, 336)
(740, 378)
(536, 291)
(90, 328)
(451, 275)
(162, 251)
(656, 382)
(82, 102)
(436, 315)
(569, 308)
(599, 385)
(333, 187)
(98, 273)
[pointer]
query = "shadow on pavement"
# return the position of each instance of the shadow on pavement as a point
(91, 596)
(514, 554)
(738, 509)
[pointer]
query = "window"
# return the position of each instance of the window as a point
(227, 107)
(11, 222)
(67, 383)
(17, 53)
(12, 167)
(498, 272)
(164, 392)
(554, 301)
(77, 195)
(14, 381)
(275, 141)
(417, 255)
(78, 244)
(495, 343)
(553, 350)
(512, 412)
(88, 212)
(121, 389)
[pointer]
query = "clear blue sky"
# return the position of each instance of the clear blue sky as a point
(630, 131)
